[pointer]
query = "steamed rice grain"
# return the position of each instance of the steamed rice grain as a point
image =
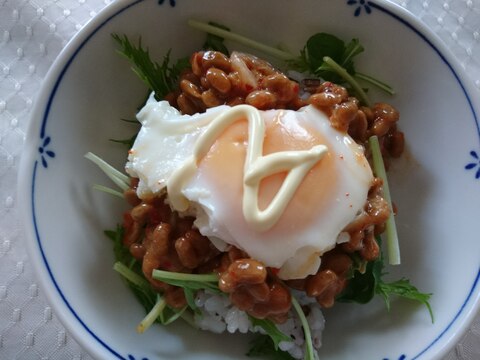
(217, 314)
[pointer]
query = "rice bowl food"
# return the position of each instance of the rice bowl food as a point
(120, 314)
(254, 203)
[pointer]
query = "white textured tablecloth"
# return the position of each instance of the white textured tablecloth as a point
(32, 33)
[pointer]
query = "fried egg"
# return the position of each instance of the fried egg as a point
(330, 195)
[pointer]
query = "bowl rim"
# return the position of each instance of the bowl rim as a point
(36, 129)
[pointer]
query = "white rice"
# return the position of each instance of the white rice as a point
(219, 315)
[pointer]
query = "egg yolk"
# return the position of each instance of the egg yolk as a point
(223, 167)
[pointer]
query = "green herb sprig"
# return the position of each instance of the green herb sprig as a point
(130, 269)
(160, 78)
(264, 347)
(191, 283)
(309, 351)
(271, 329)
(363, 286)
(393, 246)
(216, 42)
(324, 55)
(127, 142)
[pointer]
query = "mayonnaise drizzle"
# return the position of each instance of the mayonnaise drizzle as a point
(256, 167)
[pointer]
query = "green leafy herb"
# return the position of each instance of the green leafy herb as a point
(309, 351)
(130, 121)
(121, 253)
(343, 57)
(404, 289)
(200, 279)
(313, 57)
(152, 315)
(317, 47)
(108, 190)
(190, 283)
(169, 315)
(160, 78)
(272, 331)
(120, 179)
(375, 82)
(393, 246)
(127, 142)
(130, 269)
(215, 42)
(362, 287)
(194, 282)
(345, 75)
(263, 346)
(230, 35)
(159, 311)
(329, 58)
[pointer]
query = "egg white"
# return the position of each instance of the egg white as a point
(167, 139)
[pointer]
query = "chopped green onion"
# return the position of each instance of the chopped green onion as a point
(121, 180)
(380, 84)
(309, 352)
(228, 35)
(348, 78)
(107, 190)
(161, 274)
(393, 248)
(153, 315)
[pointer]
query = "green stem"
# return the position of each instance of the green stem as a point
(153, 314)
(174, 317)
(107, 190)
(188, 318)
(130, 275)
(121, 180)
(228, 35)
(348, 78)
(161, 274)
(381, 85)
(309, 352)
(393, 248)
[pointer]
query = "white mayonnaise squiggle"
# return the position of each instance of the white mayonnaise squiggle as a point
(256, 167)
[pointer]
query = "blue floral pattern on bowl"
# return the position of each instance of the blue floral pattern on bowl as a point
(131, 357)
(402, 357)
(475, 165)
(360, 5)
(172, 2)
(45, 153)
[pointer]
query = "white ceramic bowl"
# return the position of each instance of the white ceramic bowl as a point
(436, 185)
